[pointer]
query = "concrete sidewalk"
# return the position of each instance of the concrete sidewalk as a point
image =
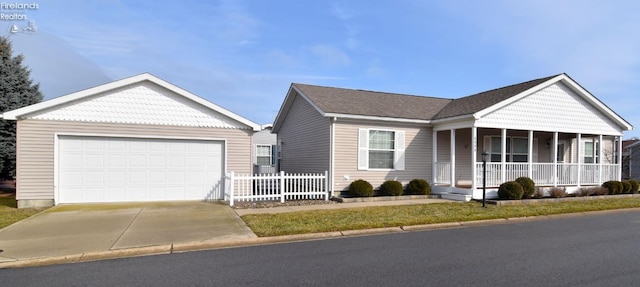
(113, 230)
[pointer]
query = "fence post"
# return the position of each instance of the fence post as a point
(282, 185)
(326, 186)
(231, 189)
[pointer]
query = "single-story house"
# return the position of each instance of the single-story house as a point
(550, 129)
(135, 139)
(265, 158)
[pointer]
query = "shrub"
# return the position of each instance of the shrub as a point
(510, 190)
(391, 187)
(557, 192)
(626, 187)
(539, 193)
(360, 188)
(635, 186)
(419, 187)
(613, 186)
(528, 186)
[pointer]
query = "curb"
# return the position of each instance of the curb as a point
(212, 245)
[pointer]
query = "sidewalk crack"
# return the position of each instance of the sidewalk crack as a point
(126, 229)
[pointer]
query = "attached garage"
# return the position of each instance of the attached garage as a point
(133, 140)
(113, 169)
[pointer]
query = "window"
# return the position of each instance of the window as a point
(380, 149)
(265, 155)
(590, 152)
(517, 149)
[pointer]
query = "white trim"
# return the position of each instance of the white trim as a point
(56, 152)
(21, 112)
(376, 118)
(591, 99)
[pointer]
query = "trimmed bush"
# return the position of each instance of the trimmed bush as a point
(528, 186)
(626, 187)
(614, 186)
(360, 188)
(635, 186)
(391, 187)
(510, 190)
(418, 187)
(557, 192)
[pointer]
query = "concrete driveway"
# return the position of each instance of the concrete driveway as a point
(92, 228)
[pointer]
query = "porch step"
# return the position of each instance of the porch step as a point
(456, 197)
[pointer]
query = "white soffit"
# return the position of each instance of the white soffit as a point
(140, 103)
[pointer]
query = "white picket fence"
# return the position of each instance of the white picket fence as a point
(278, 186)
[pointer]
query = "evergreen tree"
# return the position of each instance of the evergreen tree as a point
(16, 91)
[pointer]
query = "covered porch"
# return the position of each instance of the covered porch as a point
(550, 159)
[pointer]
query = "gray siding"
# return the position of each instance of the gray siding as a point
(35, 153)
(305, 137)
(418, 154)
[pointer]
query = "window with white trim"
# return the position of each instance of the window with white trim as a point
(380, 149)
(517, 149)
(265, 154)
(590, 151)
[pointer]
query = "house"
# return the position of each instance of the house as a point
(135, 139)
(631, 159)
(265, 151)
(550, 129)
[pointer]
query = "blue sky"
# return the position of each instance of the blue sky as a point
(243, 55)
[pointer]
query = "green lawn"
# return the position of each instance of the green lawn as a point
(391, 216)
(9, 213)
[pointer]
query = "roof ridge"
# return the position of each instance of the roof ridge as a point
(378, 92)
(510, 86)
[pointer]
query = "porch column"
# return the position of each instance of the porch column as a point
(474, 157)
(555, 159)
(434, 154)
(579, 150)
(600, 159)
(503, 163)
(452, 146)
(530, 157)
(620, 159)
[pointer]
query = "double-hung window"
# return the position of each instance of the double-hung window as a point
(590, 151)
(380, 149)
(517, 149)
(265, 154)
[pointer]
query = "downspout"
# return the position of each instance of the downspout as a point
(332, 158)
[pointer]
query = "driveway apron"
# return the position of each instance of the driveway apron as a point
(76, 229)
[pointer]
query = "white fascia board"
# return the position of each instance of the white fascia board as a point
(375, 118)
(286, 105)
(17, 113)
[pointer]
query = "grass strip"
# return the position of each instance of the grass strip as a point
(392, 216)
(10, 214)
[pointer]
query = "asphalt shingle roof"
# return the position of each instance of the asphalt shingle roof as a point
(370, 103)
(381, 104)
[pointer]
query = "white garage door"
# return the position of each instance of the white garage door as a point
(106, 169)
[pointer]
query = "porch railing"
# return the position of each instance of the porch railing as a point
(546, 174)
(443, 173)
(278, 186)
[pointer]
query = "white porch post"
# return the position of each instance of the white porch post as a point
(530, 157)
(452, 146)
(503, 163)
(555, 159)
(434, 154)
(579, 150)
(620, 159)
(474, 156)
(599, 159)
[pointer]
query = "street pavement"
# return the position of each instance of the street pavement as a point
(89, 232)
